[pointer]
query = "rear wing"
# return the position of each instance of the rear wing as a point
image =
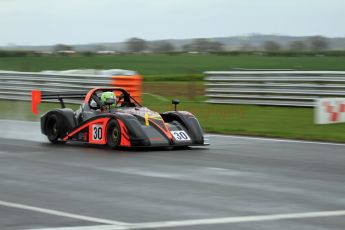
(37, 96)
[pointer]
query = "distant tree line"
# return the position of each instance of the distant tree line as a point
(202, 45)
(315, 44)
(307, 46)
(138, 45)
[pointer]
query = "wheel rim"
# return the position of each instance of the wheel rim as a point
(115, 135)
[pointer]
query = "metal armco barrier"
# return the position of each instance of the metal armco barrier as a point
(282, 88)
(18, 85)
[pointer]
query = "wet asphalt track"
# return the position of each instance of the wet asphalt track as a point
(45, 186)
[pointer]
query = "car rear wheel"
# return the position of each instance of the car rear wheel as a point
(53, 128)
(113, 134)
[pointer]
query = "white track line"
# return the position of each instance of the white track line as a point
(94, 227)
(59, 213)
(274, 139)
(240, 219)
(211, 221)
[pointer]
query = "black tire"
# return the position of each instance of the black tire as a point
(53, 128)
(113, 134)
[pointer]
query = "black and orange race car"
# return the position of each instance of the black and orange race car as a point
(126, 124)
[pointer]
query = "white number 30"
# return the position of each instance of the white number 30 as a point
(97, 132)
(180, 135)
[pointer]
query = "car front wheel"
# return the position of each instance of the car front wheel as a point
(113, 134)
(53, 129)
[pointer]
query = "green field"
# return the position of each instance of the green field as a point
(171, 67)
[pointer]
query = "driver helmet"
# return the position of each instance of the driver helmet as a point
(108, 97)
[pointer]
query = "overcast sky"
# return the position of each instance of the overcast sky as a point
(41, 22)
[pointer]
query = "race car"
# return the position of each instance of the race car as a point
(118, 121)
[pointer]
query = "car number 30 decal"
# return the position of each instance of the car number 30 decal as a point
(180, 135)
(97, 133)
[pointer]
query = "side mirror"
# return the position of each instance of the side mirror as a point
(175, 102)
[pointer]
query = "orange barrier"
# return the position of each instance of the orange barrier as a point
(36, 100)
(132, 84)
